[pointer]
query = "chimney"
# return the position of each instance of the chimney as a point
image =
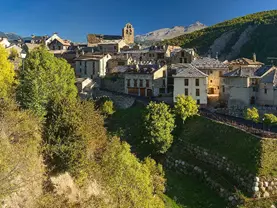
(216, 55)
(254, 57)
(137, 67)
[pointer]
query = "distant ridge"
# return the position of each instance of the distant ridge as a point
(168, 33)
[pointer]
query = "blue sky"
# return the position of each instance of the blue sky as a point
(74, 19)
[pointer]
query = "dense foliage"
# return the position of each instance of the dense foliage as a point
(158, 124)
(185, 107)
(44, 78)
(262, 40)
(7, 74)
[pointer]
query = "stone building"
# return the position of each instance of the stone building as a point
(91, 66)
(245, 62)
(117, 60)
(145, 80)
(59, 44)
(185, 55)
(214, 69)
(111, 46)
(190, 81)
(247, 86)
(128, 34)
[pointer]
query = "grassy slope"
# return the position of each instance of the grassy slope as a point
(238, 146)
(190, 192)
(262, 41)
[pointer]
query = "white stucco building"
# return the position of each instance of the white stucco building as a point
(91, 66)
(190, 81)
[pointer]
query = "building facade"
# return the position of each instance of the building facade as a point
(190, 81)
(145, 80)
(91, 66)
(249, 86)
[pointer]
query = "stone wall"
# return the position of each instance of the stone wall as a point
(188, 169)
(120, 101)
(115, 84)
(257, 187)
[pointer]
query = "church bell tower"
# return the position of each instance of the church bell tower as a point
(128, 34)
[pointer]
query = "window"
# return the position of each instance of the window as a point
(80, 70)
(197, 92)
(223, 89)
(197, 82)
(93, 64)
(85, 64)
(183, 54)
(85, 71)
(211, 81)
(93, 71)
(128, 82)
(198, 102)
(265, 91)
(147, 83)
(186, 91)
(181, 60)
(185, 60)
(115, 48)
(164, 73)
(211, 72)
(80, 63)
(135, 82)
(164, 82)
(186, 82)
(141, 83)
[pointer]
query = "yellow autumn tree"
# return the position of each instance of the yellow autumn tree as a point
(6, 74)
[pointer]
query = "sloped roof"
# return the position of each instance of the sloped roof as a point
(88, 57)
(63, 42)
(187, 70)
(249, 72)
(271, 77)
(142, 69)
(245, 61)
(209, 63)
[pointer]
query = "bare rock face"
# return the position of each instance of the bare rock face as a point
(244, 38)
(168, 33)
(220, 43)
(65, 186)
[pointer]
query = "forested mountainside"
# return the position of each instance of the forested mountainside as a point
(234, 38)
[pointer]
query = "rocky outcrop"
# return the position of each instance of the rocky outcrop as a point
(243, 39)
(220, 43)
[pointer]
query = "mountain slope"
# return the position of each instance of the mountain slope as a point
(13, 36)
(168, 33)
(235, 38)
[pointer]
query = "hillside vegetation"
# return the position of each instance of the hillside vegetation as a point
(261, 40)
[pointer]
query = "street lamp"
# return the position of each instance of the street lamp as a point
(23, 55)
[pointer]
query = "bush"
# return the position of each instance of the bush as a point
(107, 108)
(252, 115)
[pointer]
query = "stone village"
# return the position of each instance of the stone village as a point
(117, 64)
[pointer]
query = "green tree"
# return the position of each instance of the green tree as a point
(44, 78)
(73, 132)
(129, 182)
(13, 54)
(185, 107)
(252, 114)
(107, 108)
(158, 126)
(7, 74)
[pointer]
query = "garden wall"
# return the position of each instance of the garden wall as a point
(248, 161)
